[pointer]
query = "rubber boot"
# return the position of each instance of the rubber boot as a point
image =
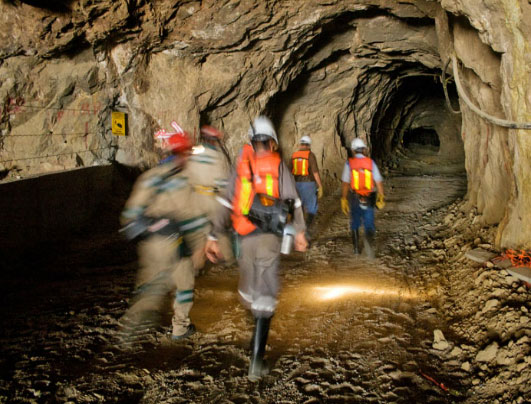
(261, 330)
(369, 244)
(355, 241)
(309, 220)
(309, 233)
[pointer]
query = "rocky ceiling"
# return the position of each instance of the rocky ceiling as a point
(331, 69)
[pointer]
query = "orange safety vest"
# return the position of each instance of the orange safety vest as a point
(255, 175)
(361, 180)
(301, 161)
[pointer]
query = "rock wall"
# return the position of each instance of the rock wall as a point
(333, 70)
(492, 42)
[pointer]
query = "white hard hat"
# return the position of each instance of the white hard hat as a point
(261, 129)
(358, 144)
(305, 140)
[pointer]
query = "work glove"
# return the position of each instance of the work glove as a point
(344, 206)
(380, 201)
(319, 192)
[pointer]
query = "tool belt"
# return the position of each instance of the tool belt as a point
(144, 226)
(366, 201)
(272, 218)
(204, 190)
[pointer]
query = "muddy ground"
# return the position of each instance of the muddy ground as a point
(419, 324)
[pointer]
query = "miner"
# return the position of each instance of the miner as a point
(162, 213)
(303, 165)
(264, 210)
(362, 189)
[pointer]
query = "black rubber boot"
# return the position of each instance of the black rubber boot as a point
(309, 232)
(369, 244)
(261, 330)
(309, 220)
(356, 241)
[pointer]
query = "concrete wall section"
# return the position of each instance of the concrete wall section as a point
(49, 207)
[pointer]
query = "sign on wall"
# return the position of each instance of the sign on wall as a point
(118, 123)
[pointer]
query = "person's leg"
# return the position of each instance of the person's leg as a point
(368, 222)
(246, 259)
(311, 207)
(264, 298)
(156, 259)
(257, 367)
(355, 221)
(184, 278)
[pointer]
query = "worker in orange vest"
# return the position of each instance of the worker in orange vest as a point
(363, 179)
(261, 197)
(303, 165)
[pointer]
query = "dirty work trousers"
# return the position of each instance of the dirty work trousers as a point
(259, 262)
(162, 271)
(308, 194)
(359, 214)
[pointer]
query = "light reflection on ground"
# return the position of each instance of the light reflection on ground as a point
(338, 291)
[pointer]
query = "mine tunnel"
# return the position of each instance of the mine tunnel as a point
(438, 91)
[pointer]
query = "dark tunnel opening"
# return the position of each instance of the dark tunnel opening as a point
(421, 136)
(414, 117)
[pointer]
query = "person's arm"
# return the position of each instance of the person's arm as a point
(289, 191)
(345, 187)
(344, 190)
(345, 179)
(318, 180)
(378, 179)
(220, 223)
(379, 187)
(314, 169)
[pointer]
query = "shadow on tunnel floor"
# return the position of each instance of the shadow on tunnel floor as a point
(92, 241)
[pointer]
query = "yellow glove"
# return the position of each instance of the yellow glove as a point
(380, 201)
(319, 192)
(344, 206)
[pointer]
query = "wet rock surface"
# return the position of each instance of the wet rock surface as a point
(421, 323)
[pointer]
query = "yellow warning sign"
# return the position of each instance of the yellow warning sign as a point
(118, 123)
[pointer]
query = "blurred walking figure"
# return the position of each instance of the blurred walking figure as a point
(303, 166)
(261, 199)
(162, 212)
(208, 170)
(363, 179)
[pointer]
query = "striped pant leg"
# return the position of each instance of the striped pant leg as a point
(184, 278)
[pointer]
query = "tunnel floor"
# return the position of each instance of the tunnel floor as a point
(347, 329)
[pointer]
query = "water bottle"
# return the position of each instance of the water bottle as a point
(288, 237)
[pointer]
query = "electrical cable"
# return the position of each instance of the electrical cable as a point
(497, 121)
(56, 155)
(73, 134)
(87, 111)
(444, 81)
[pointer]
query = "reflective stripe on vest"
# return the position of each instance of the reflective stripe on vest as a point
(368, 179)
(269, 184)
(361, 181)
(300, 162)
(245, 199)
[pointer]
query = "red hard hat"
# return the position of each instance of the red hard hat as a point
(176, 142)
(210, 131)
